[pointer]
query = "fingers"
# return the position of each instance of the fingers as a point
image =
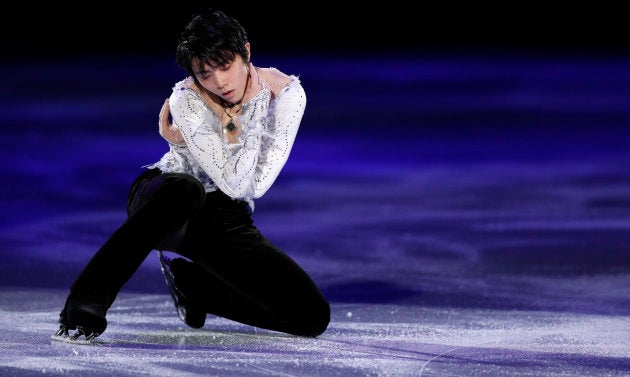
(166, 129)
(164, 122)
(164, 113)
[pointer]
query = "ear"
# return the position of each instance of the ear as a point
(249, 55)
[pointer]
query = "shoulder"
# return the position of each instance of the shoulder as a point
(275, 79)
(186, 102)
(184, 91)
(181, 86)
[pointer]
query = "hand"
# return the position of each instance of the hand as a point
(167, 130)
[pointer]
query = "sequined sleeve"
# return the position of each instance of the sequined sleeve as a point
(246, 169)
(285, 117)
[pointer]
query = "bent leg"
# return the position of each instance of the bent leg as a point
(158, 204)
(238, 274)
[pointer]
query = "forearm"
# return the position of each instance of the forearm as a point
(276, 145)
(248, 167)
(230, 166)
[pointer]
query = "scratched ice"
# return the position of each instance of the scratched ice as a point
(486, 237)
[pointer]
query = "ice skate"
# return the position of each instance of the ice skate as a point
(81, 317)
(191, 316)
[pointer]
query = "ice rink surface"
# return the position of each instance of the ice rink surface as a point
(465, 216)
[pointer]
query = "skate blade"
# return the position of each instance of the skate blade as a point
(69, 339)
(77, 337)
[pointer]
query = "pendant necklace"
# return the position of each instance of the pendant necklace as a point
(230, 126)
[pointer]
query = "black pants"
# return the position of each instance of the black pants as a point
(238, 274)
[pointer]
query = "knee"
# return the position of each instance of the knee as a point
(180, 193)
(184, 185)
(178, 189)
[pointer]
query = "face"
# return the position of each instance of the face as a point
(227, 82)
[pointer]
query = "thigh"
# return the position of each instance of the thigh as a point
(142, 188)
(172, 196)
(147, 185)
(252, 266)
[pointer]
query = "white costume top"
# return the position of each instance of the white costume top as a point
(243, 170)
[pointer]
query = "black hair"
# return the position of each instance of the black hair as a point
(211, 37)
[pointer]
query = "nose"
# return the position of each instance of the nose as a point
(220, 80)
